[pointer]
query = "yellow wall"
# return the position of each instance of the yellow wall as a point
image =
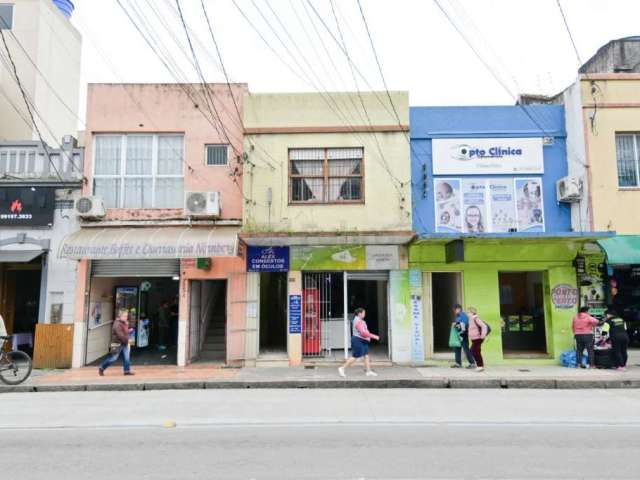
(386, 207)
(618, 111)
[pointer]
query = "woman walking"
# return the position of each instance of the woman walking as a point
(478, 331)
(583, 324)
(361, 336)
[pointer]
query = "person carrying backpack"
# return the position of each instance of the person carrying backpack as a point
(478, 331)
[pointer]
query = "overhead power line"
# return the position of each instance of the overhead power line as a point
(26, 101)
(228, 81)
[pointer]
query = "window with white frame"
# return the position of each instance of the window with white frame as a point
(139, 171)
(217, 155)
(326, 175)
(627, 153)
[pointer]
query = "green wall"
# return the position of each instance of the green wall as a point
(483, 261)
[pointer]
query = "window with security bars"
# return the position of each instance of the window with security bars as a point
(217, 155)
(627, 153)
(139, 171)
(326, 175)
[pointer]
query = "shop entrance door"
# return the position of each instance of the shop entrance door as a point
(329, 300)
(20, 299)
(446, 291)
(207, 320)
(369, 290)
(522, 313)
(273, 314)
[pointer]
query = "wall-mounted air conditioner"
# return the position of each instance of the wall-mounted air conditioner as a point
(569, 189)
(202, 204)
(90, 207)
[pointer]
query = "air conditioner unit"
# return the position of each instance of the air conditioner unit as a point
(90, 207)
(569, 189)
(202, 204)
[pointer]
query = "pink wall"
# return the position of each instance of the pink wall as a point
(166, 108)
(232, 269)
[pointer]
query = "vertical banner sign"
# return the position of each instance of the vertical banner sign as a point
(417, 337)
(502, 204)
(448, 205)
(400, 316)
(295, 313)
(474, 206)
(529, 200)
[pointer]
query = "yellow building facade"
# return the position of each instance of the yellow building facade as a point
(611, 118)
(276, 124)
(326, 224)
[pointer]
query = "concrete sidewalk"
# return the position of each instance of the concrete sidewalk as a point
(203, 376)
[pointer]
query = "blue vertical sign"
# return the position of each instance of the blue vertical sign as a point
(417, 337)
(295, 313)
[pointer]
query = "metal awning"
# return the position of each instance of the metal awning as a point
(21, 256)
(148, 243)
(622, 249)
(326, 239)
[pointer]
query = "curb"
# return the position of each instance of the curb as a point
(421, 383)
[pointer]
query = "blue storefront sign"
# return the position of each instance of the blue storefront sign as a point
(268, 259)
(295, 313)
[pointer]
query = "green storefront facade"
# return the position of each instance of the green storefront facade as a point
(525, 288)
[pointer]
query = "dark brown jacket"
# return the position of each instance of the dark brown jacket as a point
(120, 331)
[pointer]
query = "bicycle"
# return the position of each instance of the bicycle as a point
(15, 367)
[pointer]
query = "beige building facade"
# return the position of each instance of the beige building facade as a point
(46, 50)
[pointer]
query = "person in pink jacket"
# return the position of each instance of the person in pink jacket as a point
(583, 324)
(361, 336)
(478, 331)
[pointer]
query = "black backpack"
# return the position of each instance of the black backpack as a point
(488, 326)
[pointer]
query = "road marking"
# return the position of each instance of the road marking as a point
(331, 424)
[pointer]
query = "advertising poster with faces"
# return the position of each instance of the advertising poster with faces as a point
(503, 205)
(474, 206)
(493, 205)
(448, 205)
(529, 202)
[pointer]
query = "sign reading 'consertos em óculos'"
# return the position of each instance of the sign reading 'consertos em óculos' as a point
(268, 259)
(478, 156)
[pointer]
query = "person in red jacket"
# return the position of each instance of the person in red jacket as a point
(119, 334)
(583, 324)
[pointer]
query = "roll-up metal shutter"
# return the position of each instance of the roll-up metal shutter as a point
(364, 275)
(135, 268)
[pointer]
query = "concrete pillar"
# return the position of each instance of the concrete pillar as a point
(183, 321)
(80, 314)
(294, 340)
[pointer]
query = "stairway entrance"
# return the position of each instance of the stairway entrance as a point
(208, 320)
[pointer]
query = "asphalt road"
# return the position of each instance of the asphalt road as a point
(299, 434)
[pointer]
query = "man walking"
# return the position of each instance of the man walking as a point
(119, 335)
(461, 323)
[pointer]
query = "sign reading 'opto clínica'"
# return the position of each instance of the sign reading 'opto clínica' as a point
(564, 296)
(479, 156)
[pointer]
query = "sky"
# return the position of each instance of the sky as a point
(497, 48)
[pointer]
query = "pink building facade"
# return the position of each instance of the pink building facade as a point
(161, 211)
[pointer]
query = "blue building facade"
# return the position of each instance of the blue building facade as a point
(491, 232)
(488, 170)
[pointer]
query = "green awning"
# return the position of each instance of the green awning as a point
(622, 249)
